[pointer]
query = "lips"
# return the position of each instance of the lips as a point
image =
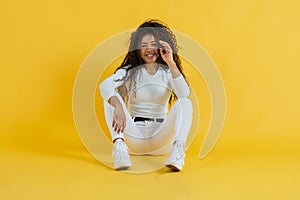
(150, 55)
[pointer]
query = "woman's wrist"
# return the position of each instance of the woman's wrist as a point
(114, 101)
(174, 69)
(172, 65)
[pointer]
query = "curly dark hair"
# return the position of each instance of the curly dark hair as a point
(133, 61)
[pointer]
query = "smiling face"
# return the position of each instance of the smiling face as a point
(148, 49)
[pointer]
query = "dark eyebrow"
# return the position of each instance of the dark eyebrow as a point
(151, 42)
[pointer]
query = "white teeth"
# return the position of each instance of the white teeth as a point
(149, 55)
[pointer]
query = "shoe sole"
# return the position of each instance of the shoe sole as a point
(122, 168)
(173, 167)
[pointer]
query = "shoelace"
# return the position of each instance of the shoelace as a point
(120, 150)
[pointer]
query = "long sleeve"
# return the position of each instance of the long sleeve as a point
(180, 86)
(108, 86)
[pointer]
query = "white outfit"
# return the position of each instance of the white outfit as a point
(150, 100)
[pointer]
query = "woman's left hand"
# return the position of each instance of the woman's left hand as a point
(166, 52)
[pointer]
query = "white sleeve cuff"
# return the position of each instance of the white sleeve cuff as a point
(180, 86)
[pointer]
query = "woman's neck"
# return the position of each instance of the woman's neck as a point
(151, 67)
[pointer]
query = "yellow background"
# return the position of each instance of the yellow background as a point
(254, 43)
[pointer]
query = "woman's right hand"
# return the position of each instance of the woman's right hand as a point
(119, 120)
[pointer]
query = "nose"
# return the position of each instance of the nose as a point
(151, 48)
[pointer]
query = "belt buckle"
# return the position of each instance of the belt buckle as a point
(149, 120)
(159, 120)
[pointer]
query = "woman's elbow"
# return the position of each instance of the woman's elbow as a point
(184, 94)
(103, 89)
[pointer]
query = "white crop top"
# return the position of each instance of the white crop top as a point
(152, 92)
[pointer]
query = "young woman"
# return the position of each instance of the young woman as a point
(137, 95)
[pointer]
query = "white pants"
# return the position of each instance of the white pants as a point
(150, 137)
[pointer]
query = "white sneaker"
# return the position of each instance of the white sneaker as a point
(121, 156)
(176, 158)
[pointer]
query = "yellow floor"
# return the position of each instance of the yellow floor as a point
(58, 167)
